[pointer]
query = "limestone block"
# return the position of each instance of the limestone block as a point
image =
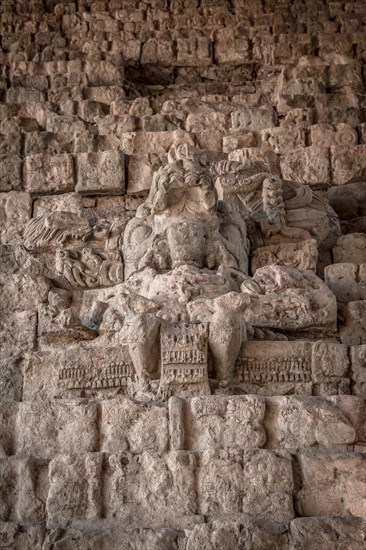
(158, 123)
(253, 119)
(353, 331)
(302, 255)
(11, 377)
(230, 47)
(48, 143)
(159, 52)
(23, 489)
(144, 143)
(308, 164)
(238, 141)
(10, 144)
(348, 163)
(74, 488)
(347, 281)
(193, 50)
(331, 533)
(21, 537)
(15, 211)
(116, 124)
(301, 118)
(115, 538)
(333, 484)
(100, 172)
(268, 485)
(282, 140)
(40, 376)
(22, 292)
(18, 332)
(269, 157)
(49, 428)
(24, 95)
(293, 422)
(358, 370)
(140, 172)
(103, 73)
(10, 172)
(349, 201)
(274, 368)
(197, 123)
(8, 415)
(257, 483)
(326, 135)
(151, 489)
(353, 407)
(135, 427)
(89, 109)
(224, 423)
(48, 173)
(229, 534)
(351, 249)
(329, 360)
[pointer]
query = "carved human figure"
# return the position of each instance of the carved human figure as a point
(186, 260)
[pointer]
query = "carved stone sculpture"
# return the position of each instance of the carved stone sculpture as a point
(186, 265)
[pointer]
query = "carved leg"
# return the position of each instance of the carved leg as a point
(143, 343)
(226, 333)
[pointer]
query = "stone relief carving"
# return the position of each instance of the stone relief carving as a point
(183, 299)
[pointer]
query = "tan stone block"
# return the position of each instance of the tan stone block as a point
(293, 422)
(229, 48)
(351, 249)
(100, 172)
(11, 378)
(331, 533)
(238, 141)
(283, 139)
(23, 489)
(50, 428)
(151, 490)
(348, 163)
(349, 201)
(346, 281)
(10, 144)
(10, 172)
(22, 292)
(8, 416)
(135, 427)
(197, 123)
(257, 483)
(252, 119)
(74, 488)
(353, 407)
(333, 484)
(326, 135)
(353, 331)
(48, 173)
(24, 538)
(24, 95)
(307, 164)
(358, 370)
(18, 332)
(329, 360)
(15, 211)
(269, 157)
(214, 423)
(301, 118)
(40, 372)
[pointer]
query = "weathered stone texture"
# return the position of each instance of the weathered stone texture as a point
(183, 251)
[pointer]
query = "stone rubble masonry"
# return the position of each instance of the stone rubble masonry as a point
(92, 96)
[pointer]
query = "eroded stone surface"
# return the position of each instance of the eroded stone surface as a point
(182, 339)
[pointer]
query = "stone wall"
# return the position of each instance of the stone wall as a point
(93, 96)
